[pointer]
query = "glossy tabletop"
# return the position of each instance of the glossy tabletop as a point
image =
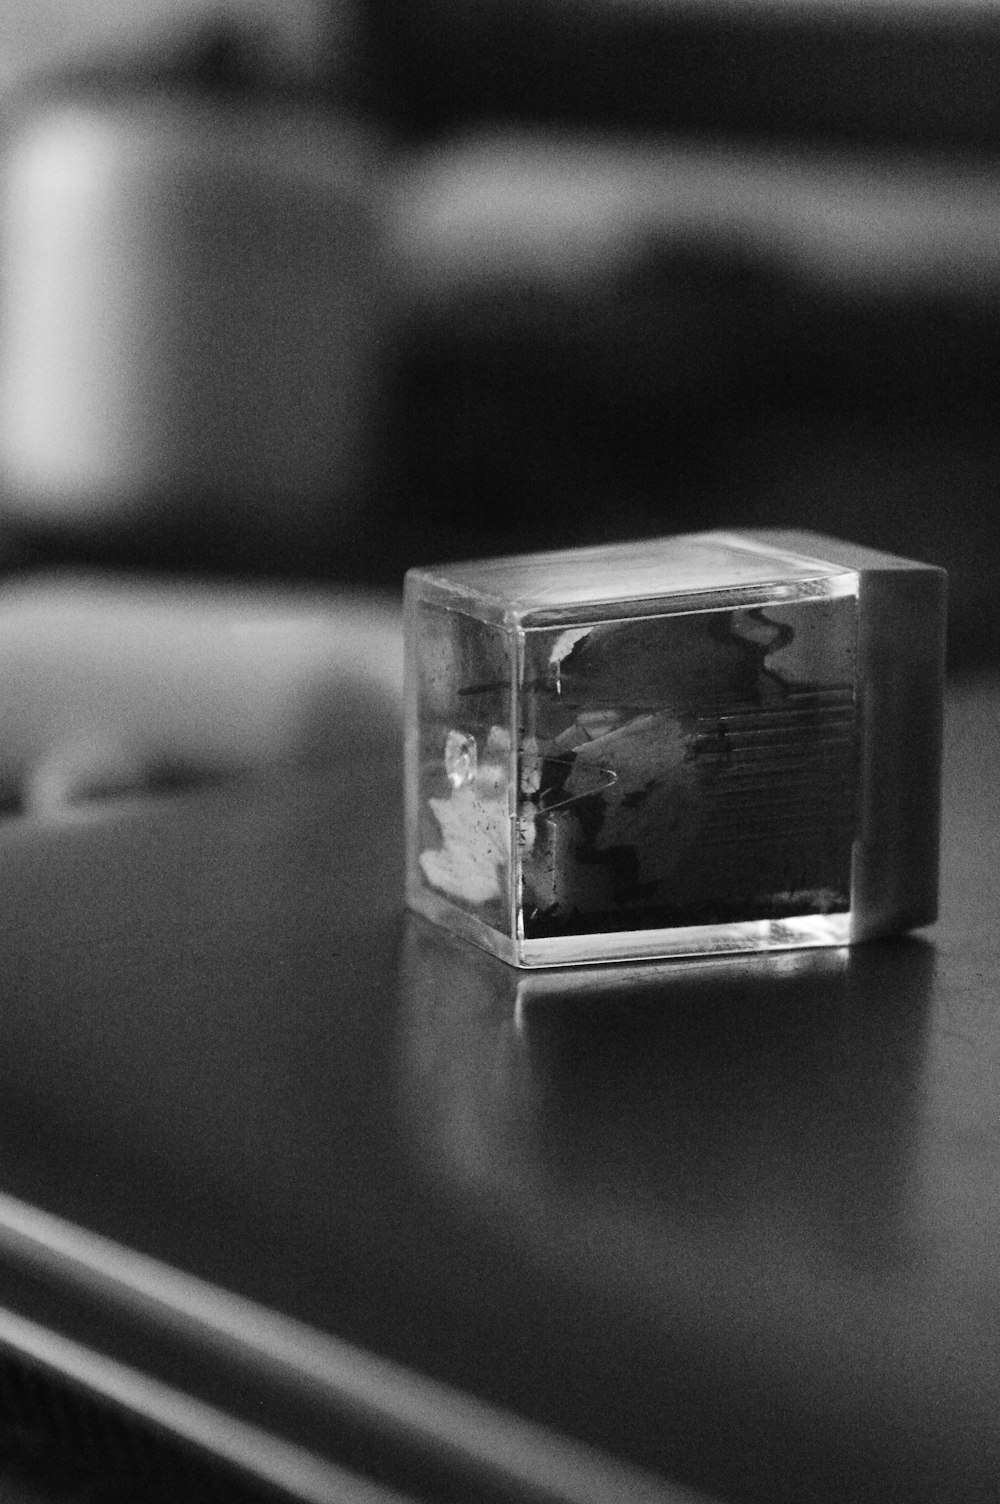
(735, 1224)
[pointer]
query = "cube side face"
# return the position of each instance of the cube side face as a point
(901, 672)
(901, 654)
(459, 765)
(688, 782)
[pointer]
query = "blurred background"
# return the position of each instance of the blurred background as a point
(317, 291)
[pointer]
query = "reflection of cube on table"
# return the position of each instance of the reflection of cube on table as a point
(683, 746)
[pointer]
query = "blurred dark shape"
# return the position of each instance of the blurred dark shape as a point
(222, 59)
(921, 74)
(561, 415)
(215, 55)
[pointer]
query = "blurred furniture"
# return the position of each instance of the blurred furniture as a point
(646, 267)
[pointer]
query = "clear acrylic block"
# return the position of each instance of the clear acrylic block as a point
(689, 745)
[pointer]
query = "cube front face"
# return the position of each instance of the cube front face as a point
(668, 772)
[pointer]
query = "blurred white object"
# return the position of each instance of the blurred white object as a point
(190, 308)
(109, 686)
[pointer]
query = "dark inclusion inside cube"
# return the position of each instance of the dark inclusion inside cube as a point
(698, 769)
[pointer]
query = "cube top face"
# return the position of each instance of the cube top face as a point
(626, 579)
(678, 768)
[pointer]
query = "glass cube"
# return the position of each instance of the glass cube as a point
(690, 745)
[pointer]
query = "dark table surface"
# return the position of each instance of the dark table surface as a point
(736, 1224)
